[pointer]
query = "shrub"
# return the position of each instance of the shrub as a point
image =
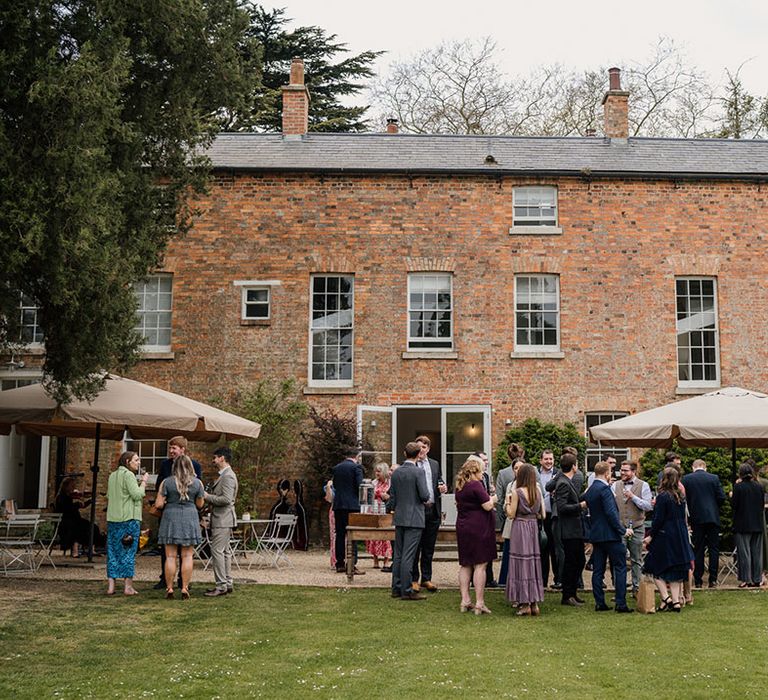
(536, 436)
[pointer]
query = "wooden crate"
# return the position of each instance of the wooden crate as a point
(370, 520)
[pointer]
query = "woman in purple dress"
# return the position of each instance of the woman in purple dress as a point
(525, 506)
(475, 533)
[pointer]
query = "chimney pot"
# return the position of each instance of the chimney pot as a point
(297, 71)
(614, 79)
(392, 127)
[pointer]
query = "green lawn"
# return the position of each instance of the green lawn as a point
(66, 640)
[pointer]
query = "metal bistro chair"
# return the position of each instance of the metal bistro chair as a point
(17, 545)
(47, 541)
(729, 566)
(277, 538)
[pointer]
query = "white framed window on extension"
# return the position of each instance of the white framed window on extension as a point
(698, 352)
(256, 301)
(155, 305)
(597, 452)
(537, 313)
(430, 311)
(331, 330)
(535, 210)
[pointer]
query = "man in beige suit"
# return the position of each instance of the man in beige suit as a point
(223, 519)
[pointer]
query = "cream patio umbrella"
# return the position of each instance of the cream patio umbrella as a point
(729, 417)
(144, 411)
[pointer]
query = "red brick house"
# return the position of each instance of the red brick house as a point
(454, 285)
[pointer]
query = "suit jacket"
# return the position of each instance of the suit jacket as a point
(577, 481)
(408, 493)
(568, 509)
(165, 471)
(222, 497)
(503, 479)
(605, 525)
(704, 496)
(347, 477)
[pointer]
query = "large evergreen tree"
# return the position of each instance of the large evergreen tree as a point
(103, 107)
(328, 79)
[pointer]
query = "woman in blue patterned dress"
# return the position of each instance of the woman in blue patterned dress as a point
(124, 500)
(181, 495)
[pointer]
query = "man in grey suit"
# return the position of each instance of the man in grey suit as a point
(223, 519)
(408, 494)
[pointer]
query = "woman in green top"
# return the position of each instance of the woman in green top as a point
(124, 496)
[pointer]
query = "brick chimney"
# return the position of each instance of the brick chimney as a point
(392, 127)
(616, 107)
(295, 102)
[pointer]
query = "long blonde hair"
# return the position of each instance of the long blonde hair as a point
(184, 474)
(472, 467)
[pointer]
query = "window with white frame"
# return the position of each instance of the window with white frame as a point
(597, 452)
(537, 313)
(152, 453)
(534, 206)
(30, 331)
(155, 303)
(331, 330)
(256, 303)
(430, 311)
(697, 332)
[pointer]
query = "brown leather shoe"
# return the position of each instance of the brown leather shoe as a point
(358, 572)
(213, 592)
(431, 587)
(572, 602)
(416, 587)
(413, 596)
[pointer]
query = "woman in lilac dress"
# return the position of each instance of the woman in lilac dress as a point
(475, 533)
(525, 505)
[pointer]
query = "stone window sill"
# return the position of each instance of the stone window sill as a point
(520, 355)
(694, 390)
(425, 355)
(535, 230)
(255, 322)
(158, 355)
(321, 390)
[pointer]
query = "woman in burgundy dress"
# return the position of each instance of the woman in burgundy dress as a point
(525, 505)
(475, 533)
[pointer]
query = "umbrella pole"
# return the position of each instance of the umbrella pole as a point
(733, 458)
(95, 473)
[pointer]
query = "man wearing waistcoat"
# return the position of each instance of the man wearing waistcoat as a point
(633, 497)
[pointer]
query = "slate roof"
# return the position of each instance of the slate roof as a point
(409, 153)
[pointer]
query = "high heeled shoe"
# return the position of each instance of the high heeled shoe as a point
(665, 605)
(525, 611)
(169, 594)
(185, 595)
(465, 607)
(535, 611)
(481, 610)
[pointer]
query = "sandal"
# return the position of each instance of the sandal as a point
(526, 611)
(481, 610)
(465, 607)
(676, 607)
(185, 595)
(535, 611)
(665, 605)
(743, 584)
(169, 594)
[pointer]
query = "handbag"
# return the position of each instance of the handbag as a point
(127, 539)
(543, 539)
(646, 596)
(157, 510)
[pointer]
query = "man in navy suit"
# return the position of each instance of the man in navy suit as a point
(704, 495)
(347, 477)
(607, 536)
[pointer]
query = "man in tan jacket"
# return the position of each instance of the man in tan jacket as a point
(223, 519)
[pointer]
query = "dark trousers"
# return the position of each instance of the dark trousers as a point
(504, 571)
(549, 554)
(706, 536)
(559, 555)
(616, 554)
(573, 563)
(403, 556)
(426, 550)
(342, 520)
(749, 548)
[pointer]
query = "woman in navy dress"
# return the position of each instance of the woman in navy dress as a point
(475, 533)
(669, 548)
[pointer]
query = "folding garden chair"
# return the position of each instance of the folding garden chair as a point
(277, 539)
(17, 545)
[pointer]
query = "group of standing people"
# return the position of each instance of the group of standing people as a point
(180, 496)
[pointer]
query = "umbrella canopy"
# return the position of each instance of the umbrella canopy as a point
(145, 411)
(722, 418)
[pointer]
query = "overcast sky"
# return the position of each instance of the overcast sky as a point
(716, 34)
